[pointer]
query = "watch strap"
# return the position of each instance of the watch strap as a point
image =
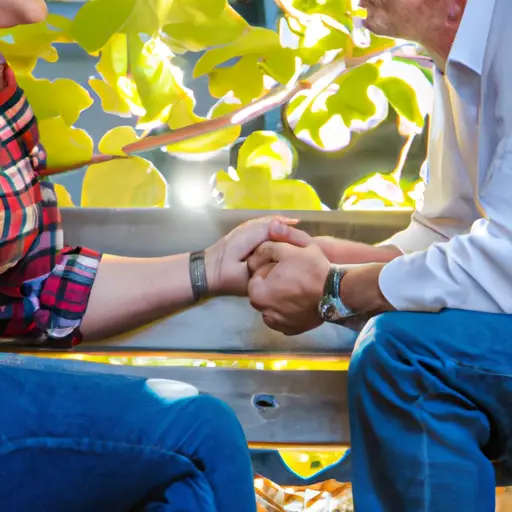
(332, 282)
(197, 268)
(331, 307)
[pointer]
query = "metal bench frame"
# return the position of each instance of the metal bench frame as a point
(278, 409)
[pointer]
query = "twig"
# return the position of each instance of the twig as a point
(96, 159)
(278, 96)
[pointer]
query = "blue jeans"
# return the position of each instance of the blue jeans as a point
(430, 398)
(72, 440)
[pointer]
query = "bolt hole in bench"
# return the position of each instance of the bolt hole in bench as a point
(265, 403)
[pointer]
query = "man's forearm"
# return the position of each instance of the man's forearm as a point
(345, 252)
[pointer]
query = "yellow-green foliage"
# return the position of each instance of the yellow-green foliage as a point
(137, 42)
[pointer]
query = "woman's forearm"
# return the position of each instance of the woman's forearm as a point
(131, 292)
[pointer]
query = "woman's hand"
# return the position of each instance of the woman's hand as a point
(226, 261)
(21, 12)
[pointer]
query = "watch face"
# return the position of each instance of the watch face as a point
(327, 309)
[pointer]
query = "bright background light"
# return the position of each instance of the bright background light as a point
(193, 193)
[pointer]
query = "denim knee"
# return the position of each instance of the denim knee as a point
(375, 341)
(215, 417)
(214, 408)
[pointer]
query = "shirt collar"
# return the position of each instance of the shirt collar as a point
(470, 43)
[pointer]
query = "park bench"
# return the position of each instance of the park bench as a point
(278, 409)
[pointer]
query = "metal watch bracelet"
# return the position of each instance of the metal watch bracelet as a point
(331, 307)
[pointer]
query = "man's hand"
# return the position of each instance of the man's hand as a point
(287, 285)
(226, 261)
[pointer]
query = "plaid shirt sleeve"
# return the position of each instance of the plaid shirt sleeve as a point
(44, 286)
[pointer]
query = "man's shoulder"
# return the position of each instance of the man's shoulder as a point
(500, 36)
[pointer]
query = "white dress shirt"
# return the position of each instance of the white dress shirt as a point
(458, 247)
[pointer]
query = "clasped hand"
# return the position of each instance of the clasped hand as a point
(288, 274)
(283, 271)
(279, 266)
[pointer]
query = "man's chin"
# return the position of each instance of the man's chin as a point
(376, 28)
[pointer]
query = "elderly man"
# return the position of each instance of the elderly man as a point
(430, 381)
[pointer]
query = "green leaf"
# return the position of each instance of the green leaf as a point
(281, 64)
(351, 100)
(63, 196)
(155, 76)
(200, 11)
(312, 123)
(429, 75)
(259, 192)
(113, 62)
(182, 113)
(131, 183)
(96, 22)
(111, 101)
(24, 44)
(379, 190)
(267, 150)
(403, 99)
(377, 44)
(64, 145)
(69, 98)
(197, 36)
(244, 79)
(336, 9)
(257, 41)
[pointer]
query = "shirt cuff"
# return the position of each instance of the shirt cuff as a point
(64, 295)
(407, 286)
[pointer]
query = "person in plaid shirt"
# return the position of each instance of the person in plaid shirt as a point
(44, 287)
(73, 439)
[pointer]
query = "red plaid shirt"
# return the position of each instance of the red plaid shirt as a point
(44, 286)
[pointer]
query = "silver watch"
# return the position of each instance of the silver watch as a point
(331, 307)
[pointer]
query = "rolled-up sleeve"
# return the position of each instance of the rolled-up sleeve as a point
(44, 295)
(471, 271)
(58, 301)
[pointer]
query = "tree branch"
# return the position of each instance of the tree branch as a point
(278, 96)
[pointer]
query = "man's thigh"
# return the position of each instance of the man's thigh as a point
(480, 341)
(467, 352)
